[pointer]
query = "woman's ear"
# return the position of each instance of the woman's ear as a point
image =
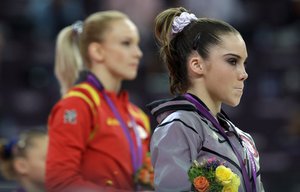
(21, 166)
(196, 64)
(96, 52)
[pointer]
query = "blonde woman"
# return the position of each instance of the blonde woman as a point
(98, 138)
(23, 160)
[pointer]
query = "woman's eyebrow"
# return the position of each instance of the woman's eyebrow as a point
(234, 55)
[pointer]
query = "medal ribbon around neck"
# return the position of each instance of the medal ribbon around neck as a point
(204, 112)
(136, 156)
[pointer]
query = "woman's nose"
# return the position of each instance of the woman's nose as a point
(138, 52)
(244, 74)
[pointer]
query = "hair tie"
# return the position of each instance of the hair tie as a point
(8, 148)
(77, 27)
(180, 22)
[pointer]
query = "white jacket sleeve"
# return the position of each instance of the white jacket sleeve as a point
(174, 146)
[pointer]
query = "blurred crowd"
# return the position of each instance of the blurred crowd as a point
(269, 110)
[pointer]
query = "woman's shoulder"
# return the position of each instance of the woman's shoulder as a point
(73, 101)
(189, 117)
(185, 121)
(82, 95)
(70, 106)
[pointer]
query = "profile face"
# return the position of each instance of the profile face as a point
(121, 49)
(226, 70)
(36, 159)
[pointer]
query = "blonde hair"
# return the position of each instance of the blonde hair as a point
(72, 47)
(16, 147)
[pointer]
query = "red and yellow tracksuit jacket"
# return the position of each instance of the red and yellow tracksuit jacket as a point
(88, 150)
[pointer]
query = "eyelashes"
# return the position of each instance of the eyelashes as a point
(235, 62)
(232, 61)
(129, 43)
(126, 43)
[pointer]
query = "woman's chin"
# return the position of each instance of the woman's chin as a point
(233, 103)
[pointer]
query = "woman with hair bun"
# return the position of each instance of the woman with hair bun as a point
(206, 63)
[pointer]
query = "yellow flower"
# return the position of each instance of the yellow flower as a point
(224, 174)
(236, 181)
(230, 188)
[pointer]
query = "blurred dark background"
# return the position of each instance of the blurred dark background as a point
(269, 110)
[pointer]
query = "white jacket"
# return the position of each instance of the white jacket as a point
(183, 136)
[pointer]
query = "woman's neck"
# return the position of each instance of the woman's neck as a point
(109, 82)
(30, 186)
(214, 107)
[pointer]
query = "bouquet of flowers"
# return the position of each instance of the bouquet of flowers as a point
(212, 176)
(144, 178)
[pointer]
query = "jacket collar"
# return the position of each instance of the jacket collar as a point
(160, 109)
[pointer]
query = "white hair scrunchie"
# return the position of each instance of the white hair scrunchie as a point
(180, 22)
(77, 27)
